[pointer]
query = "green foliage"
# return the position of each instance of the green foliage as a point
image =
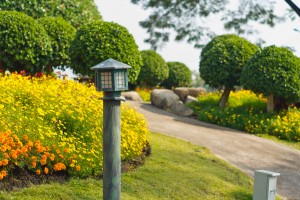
(190, 19)
(74, 11)
(247, 112)
(99, 41)
(179, 75)
(24, 43)
(223, 59)
(61, 34)
(154, 71)
(273, 70)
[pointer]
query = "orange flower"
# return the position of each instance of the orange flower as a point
(3, 148)
(52, 156)
(6, 155)
(46, 170)
(3, 172)
(25, 137)
(33, 158)
(57, 151)
(33, 164)
(5, 162)
(66, 150)
(61, 156)
(43, 161)
(1, 176)
(59, 166)
(77, 168)
(1, 163)
(38, 172)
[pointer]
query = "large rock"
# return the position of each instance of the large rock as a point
(195, 92)
(182, 92)
(179, 108)
(190, 99)
(132, 96)
(163, 98)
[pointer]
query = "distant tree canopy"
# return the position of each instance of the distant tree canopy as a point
(189, 18)
(74, 11)
(24, 43)
(154, 71)
(274, 71)
(98, 41)
(61, 34)
(179, 75)
(222, 61)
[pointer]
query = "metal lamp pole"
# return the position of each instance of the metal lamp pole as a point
(112, 78)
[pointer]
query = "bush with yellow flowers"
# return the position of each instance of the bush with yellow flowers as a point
(49, 125)
(144, 93)
(247, 112)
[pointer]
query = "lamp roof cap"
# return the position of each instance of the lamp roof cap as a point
(111, 64)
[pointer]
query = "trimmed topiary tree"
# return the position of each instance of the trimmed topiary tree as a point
(99, 41)
(61, 34)
(24, 43)
(154, 71)
(179, 75)
(273, 72)
(74, 11)
(222, 61)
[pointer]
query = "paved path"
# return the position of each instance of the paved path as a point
(245, 151)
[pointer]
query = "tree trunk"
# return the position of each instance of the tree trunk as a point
(270, 103)
(224, 98)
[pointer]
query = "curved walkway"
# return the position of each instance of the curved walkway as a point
(245, 151)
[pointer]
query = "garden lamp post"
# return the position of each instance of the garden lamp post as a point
(111, 78)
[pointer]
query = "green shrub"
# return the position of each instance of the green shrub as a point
(66, 117)
(222, 61)
(74, 11)
(273, 70)
(179, 75)
(99, 41)
(61, 34)
(154, 71)
(24, 43)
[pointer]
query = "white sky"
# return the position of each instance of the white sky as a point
(128, 15)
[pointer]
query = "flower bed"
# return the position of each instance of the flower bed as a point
(49, 125)
(247, 112)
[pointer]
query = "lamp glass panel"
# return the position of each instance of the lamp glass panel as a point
(106, 82)
(120, 76)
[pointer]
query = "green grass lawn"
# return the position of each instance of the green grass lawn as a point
(175, 170)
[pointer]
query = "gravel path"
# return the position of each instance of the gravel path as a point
(245, 151)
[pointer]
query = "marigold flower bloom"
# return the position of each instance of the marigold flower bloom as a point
(77, 168)
(38, 172)
(3, 172)
(46, 170)
(5, 162)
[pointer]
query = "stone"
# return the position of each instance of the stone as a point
(179, 108)
(182, 92)
(132, 96)
(190, 99)
(163, 98)
(195, 92)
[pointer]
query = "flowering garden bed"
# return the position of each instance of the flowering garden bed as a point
(50, 127)
(248, 112)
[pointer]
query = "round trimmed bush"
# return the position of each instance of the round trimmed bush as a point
(273, 70)
(24, 43)
(154, 71)
(74, 11)
(222, 61)
(179, 75)
(99, 41)
(61, 34)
